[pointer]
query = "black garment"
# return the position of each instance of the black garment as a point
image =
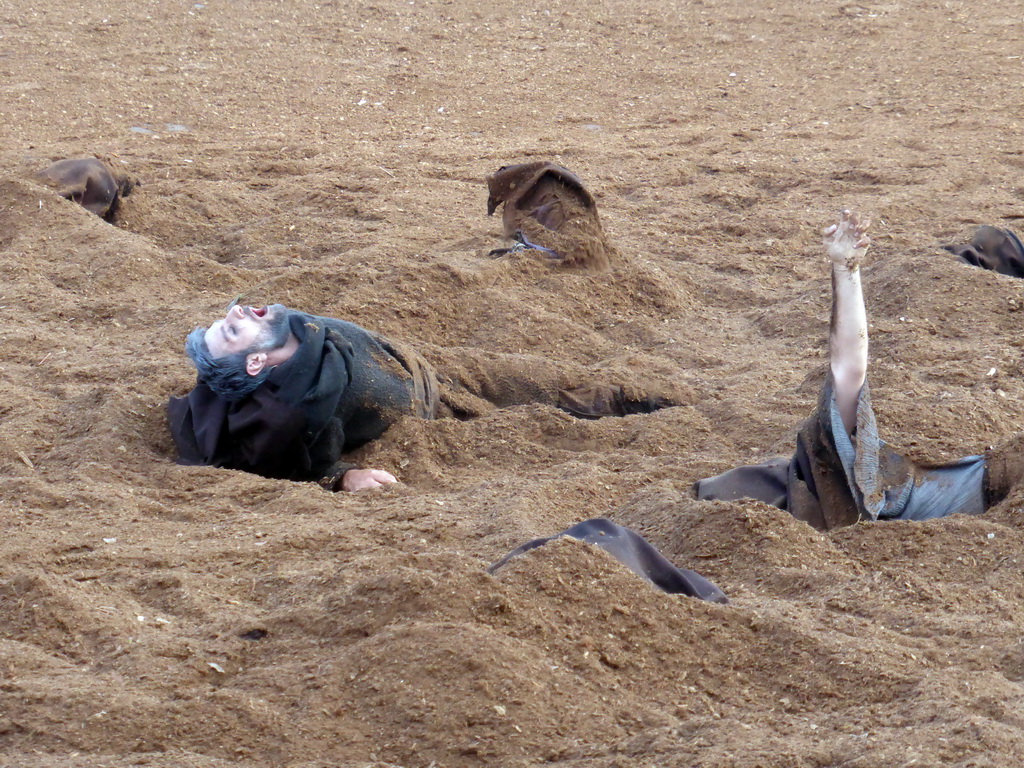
(343, 387)
(992, 248)
(636, 553)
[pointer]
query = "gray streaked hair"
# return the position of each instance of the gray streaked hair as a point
(225, 375)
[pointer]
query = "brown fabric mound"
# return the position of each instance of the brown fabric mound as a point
(92, 182)
(549, 206)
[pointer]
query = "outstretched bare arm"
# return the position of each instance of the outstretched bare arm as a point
(848, 336)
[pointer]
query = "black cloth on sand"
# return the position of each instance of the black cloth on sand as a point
(636, 553)
(999, 250)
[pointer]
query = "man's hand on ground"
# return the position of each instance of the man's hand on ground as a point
(361, 479)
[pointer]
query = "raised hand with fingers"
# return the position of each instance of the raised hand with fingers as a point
(846, 241)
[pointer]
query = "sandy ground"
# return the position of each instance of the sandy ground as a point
(332, 156)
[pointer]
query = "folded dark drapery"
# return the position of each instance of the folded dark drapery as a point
(636, 553)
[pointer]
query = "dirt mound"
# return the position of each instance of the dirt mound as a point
(333, 158)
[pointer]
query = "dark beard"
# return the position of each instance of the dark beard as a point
(273, 336)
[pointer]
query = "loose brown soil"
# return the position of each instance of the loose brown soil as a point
(332, 156)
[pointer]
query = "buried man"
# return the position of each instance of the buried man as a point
(284, 394)
(841, 472)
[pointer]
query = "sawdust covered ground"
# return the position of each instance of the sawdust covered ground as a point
(331, 156)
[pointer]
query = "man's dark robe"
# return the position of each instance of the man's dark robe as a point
(342, 388)
(833, 481)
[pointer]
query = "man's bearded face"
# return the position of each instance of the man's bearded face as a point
(248, 329)
(273, 335)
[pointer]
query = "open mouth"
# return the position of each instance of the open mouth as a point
(259, 312)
